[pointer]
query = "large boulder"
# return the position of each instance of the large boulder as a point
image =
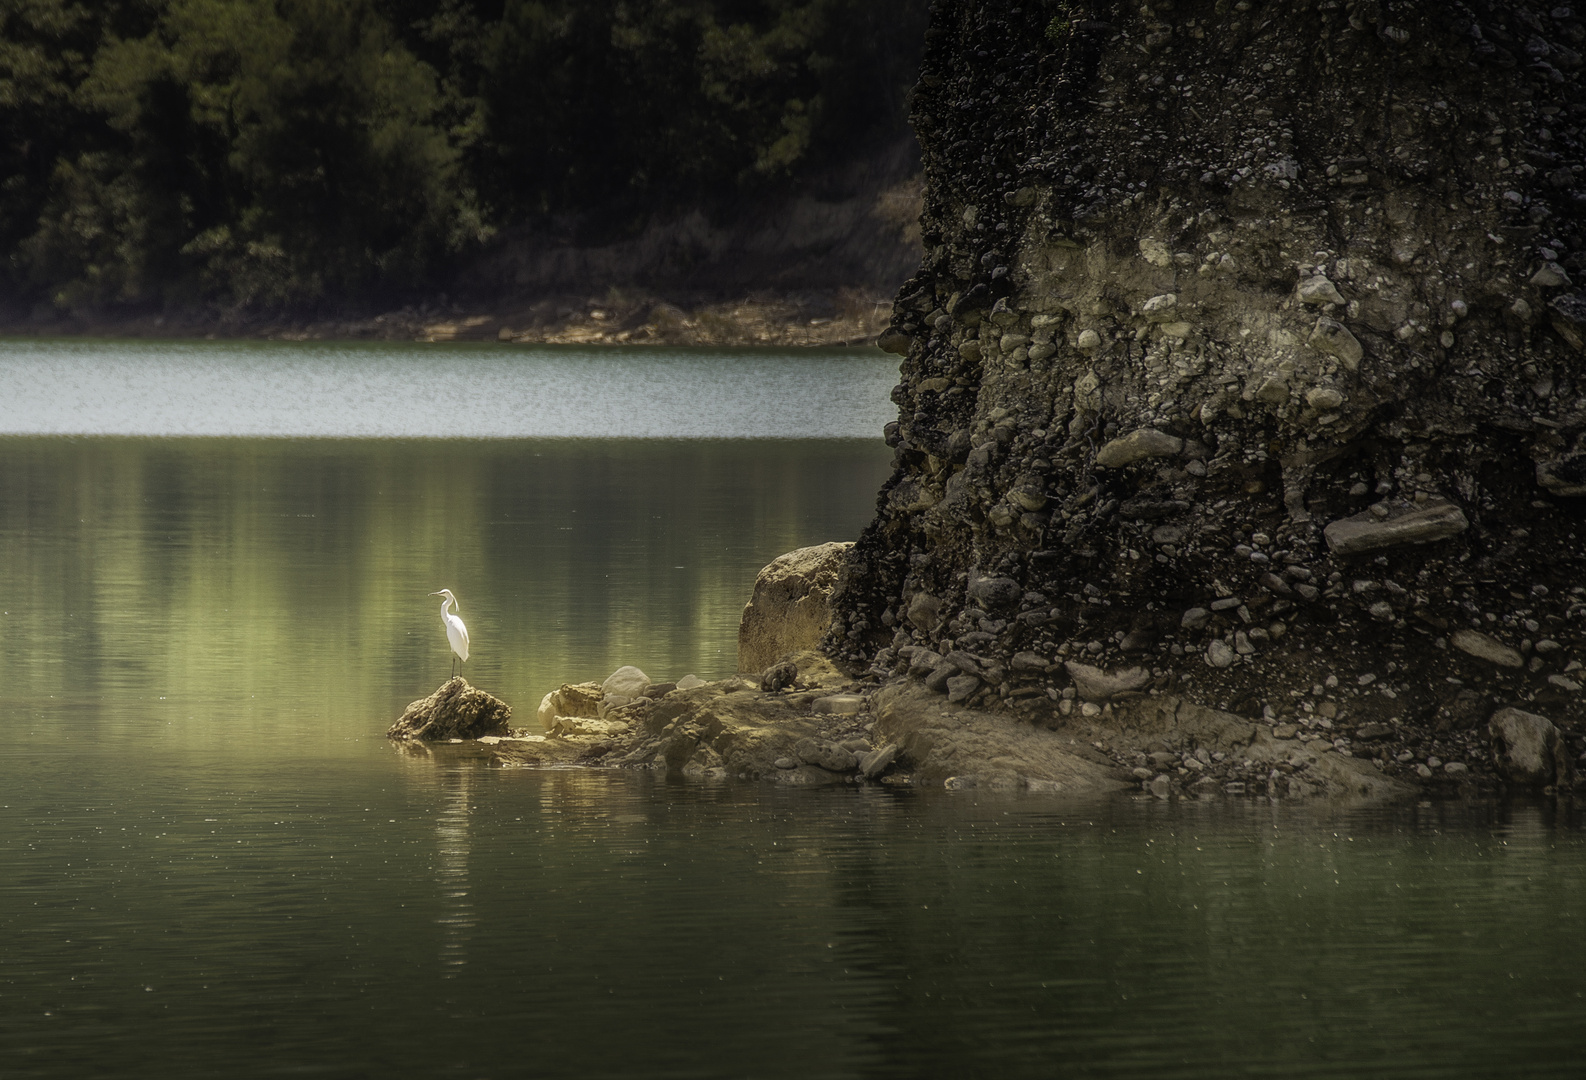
(1234, 408)
(1529, 748)
(570, 701)
(790, 608)
(455, 711)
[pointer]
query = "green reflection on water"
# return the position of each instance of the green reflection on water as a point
(199, 586)
(212, 864)
(464, 921)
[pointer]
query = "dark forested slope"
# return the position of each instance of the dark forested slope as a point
(259, 154)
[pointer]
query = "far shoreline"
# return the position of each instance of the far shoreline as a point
(837, 318)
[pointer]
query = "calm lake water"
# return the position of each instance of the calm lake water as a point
(213, 864)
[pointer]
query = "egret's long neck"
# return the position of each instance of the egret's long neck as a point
(445, 600)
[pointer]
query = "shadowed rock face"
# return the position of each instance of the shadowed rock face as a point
(454, 711)
(1204, 278)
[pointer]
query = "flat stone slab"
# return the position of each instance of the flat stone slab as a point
(1138, 446)
(1474, 643)
(570, 726)
(1422, 525)
(839, 704)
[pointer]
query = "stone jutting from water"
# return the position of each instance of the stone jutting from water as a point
(455, 710)
(1203, 279)
(790, 607)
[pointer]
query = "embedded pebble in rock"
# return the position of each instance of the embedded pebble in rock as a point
(1324, 399)
(962, 687)
(1138, 446)
(1088, 339)
(1195, 618)
(937, 679)
(1094, 684)
(1474, 643)
(1319, 290)
(1550, 475)
(1551, 276)
(875, 763)
(1395, 527)
(1219, 655)
(1160, 308)
(1333, 337)
(825, 755)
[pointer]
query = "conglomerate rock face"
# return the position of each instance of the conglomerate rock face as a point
(1247, 351)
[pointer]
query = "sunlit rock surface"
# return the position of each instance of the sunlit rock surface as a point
(454, 711)
(790, 610)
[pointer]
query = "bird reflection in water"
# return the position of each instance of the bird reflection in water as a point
(456, 917)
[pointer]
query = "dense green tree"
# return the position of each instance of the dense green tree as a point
(626, 105)
(275, 152)
(263, 152)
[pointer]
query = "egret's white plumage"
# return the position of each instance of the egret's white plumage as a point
(456, 632)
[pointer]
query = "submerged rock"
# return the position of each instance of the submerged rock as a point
(454, 711)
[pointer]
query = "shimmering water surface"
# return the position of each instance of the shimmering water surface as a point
(421, 391)
(212, 863)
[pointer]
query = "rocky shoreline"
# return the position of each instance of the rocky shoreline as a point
(1241, 434)
(815, 318)
(828, 728)
(945, 722)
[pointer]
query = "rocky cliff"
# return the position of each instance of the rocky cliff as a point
(1245, 363)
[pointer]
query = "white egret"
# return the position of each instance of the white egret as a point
(456, 632)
